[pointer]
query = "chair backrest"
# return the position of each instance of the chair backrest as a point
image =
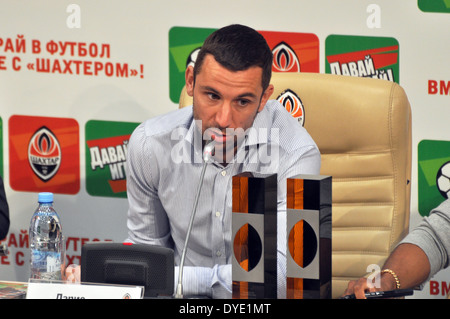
(362, 127)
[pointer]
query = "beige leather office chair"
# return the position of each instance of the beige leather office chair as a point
(363, 130)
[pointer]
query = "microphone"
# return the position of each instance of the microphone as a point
(208, 153)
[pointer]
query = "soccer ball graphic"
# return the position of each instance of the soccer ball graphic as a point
(443, 180)
(192, 57)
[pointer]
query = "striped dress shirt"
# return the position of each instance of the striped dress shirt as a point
(163, 171)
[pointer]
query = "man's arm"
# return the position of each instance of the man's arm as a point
(419, 256)
(212, 282)
(407, 261)
(410, 263)
(147, 221)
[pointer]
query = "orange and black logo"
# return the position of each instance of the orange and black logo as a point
(44, 154)
(285, 59)
(292, 103)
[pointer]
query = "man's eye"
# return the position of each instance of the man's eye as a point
(213, 96)
(243, 102)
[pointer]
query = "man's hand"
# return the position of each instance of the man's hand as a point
(360, 287)
(363, 285)
(410, 264)
(73, 273)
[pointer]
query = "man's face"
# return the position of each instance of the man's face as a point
(225, 99)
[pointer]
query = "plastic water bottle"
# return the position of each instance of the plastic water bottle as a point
(46, 241)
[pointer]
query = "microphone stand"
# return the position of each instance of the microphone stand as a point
(208, 152)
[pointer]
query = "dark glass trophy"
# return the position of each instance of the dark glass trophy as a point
(254, 234)
(308, 231)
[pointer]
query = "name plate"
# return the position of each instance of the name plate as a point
(61, 290)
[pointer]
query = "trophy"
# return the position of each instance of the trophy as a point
(308, 232)
(254, 234)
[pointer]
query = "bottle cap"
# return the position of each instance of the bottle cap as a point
(45, 198)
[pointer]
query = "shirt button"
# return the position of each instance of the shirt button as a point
(223, 173)
(218, 253)
(217, 214)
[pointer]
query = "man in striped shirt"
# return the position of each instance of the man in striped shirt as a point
(230, 86)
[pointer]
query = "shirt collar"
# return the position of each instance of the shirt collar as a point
(193, 134)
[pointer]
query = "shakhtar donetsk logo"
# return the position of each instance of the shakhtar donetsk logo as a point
(44, 154)
(285, 59)
(293, 105)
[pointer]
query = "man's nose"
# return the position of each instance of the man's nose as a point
(224, 115)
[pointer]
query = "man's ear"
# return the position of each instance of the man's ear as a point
(265, 97)
(189, 78)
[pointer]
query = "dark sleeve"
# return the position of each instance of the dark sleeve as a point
(4, 212)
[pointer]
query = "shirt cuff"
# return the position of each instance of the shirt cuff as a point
(196, 281)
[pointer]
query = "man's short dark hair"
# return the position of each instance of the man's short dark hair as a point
(237, 48)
